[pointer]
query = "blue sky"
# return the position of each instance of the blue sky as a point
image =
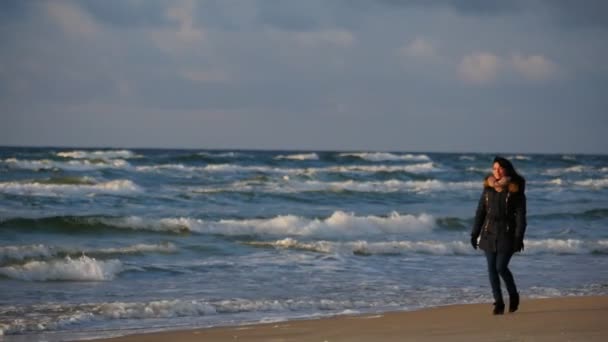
(451, 76)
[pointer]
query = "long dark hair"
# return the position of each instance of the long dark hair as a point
(511, 172)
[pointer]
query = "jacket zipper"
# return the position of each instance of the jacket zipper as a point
(485, 227)
(507, 209)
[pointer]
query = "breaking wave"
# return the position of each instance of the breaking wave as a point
(41, 251)
(69, 187)
(295, 186)
(433, 247)
(383, 156)
(339, 225)
(67, 269)
(105, 154)
(71, 165)
(301, 156)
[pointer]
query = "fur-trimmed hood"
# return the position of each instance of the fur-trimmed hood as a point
(513, 186)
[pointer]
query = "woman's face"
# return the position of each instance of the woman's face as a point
(498, 171)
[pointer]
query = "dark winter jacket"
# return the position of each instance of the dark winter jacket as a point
(500, 218)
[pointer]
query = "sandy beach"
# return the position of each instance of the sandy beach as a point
(554, 319)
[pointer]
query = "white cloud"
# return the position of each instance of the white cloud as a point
(419, 48)
(185, 35)
(534, 67)
(339, 38)
(197, 75)
(182, 12)
(72, 20)
(313, 39)
(479, 67)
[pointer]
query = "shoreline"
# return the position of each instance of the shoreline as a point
(583, 318)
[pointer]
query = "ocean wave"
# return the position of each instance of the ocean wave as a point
(339, 224)
(566, 170)
(412, 168)
(289, 243)
(432, 247)
(65, 188)
(519, 157)
(296, 186)
(300, 156)
(67, 269)
(60, 316)
(567, 246)
(593, 183)
(71, 165)
(102, 154)
(41, 251)
(383, 156)
(370, 248)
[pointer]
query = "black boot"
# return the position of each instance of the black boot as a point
(514, 302)
(499, 309)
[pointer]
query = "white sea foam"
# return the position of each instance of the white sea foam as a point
(71, 165)
(219, 168)
(471, 158)
(593, 183)
(64, 315)
(413, 168)
(300, 156)
(433, 247)
(383, 156)
(520, 157)
(363, 247)
(38, 251)
(105, 154)
(289, 243)
(566, 170)
(339, 225)
(567, 246)
(37, 188)
(81, 269)
(295, 186)
(220, 155)
(25, 252)
(401, 247)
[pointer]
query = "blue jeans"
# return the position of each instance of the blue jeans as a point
(498, 265)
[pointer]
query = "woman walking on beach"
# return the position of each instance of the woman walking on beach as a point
(500, 219)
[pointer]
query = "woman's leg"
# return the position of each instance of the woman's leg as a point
(491, 257)
(502, 266)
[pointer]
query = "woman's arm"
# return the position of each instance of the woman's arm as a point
(480, 215)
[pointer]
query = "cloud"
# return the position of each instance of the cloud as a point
(534, 67)
(419, 48)
(211, 76)
(479, 67)
(330, 37)
(184, 34)
(72, 20)
(182, 13)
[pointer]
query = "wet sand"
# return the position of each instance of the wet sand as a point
(539, 320)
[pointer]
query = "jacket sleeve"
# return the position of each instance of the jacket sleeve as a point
(520, 217)
(480, 215)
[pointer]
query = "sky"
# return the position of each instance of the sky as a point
(528, 76)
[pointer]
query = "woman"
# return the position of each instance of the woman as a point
(501, 221)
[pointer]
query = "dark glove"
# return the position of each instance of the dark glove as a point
(474, 242)
(519, 244)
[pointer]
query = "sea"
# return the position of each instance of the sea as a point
(107, 242)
